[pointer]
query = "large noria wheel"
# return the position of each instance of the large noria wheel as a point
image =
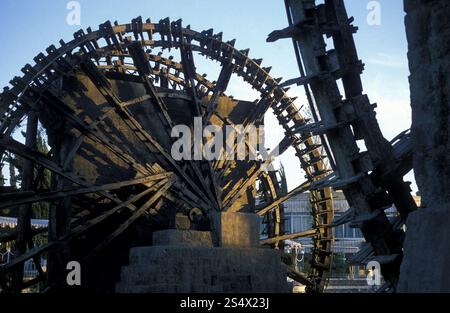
(107, 102)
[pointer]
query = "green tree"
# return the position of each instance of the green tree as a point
(2, 177)
(283, 180)
(42, 178)
(12, 171)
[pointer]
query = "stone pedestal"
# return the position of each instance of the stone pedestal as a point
(175, 237)
(426, 250)
(235, 229)
(185, 261)
(184, 269)
(427, 254)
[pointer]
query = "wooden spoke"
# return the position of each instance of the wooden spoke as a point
(219, 88)
(115, 130)
(81, 229)
(19, 198)
(131, 220)
(306, 233)
(143, 67)
(264, 208)
(148, 140)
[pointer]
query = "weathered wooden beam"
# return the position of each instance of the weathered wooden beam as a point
(59, 215)
(187, 60)
(24, 216)
(92, 132)
(51, 195)
(266, 207)
(189, 70)
(141, 60)
(142, 64)
(306, 233)
(343, 61)
(255, 171)
(219, 88)
(20, 149)
(138, 213)
(297, 276)
(81, 229)
(92, 129)
(148, 140)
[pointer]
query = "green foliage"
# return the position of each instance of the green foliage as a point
(339, 265)
(12, 171)
(41, 176)
(2, 177)
(283, 180)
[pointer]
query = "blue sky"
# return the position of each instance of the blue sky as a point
(31, 26)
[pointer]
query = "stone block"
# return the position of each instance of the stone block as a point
(175, 237)
(203, 269)
(235, 229)
(426, 252)
(182, 222)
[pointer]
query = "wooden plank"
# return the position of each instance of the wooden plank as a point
(81, 229)
(189, 70)
(219, 88)
(312, 47)
(138, 213)
(24, 215)
(266, 207)
(92, 132)
(297, 276)
(141, 62)
(148, 140)
(51, 195)
(20, 149)
(187, 61)
(303, 234)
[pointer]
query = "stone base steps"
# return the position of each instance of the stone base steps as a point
(342, 285)
(202, 269)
